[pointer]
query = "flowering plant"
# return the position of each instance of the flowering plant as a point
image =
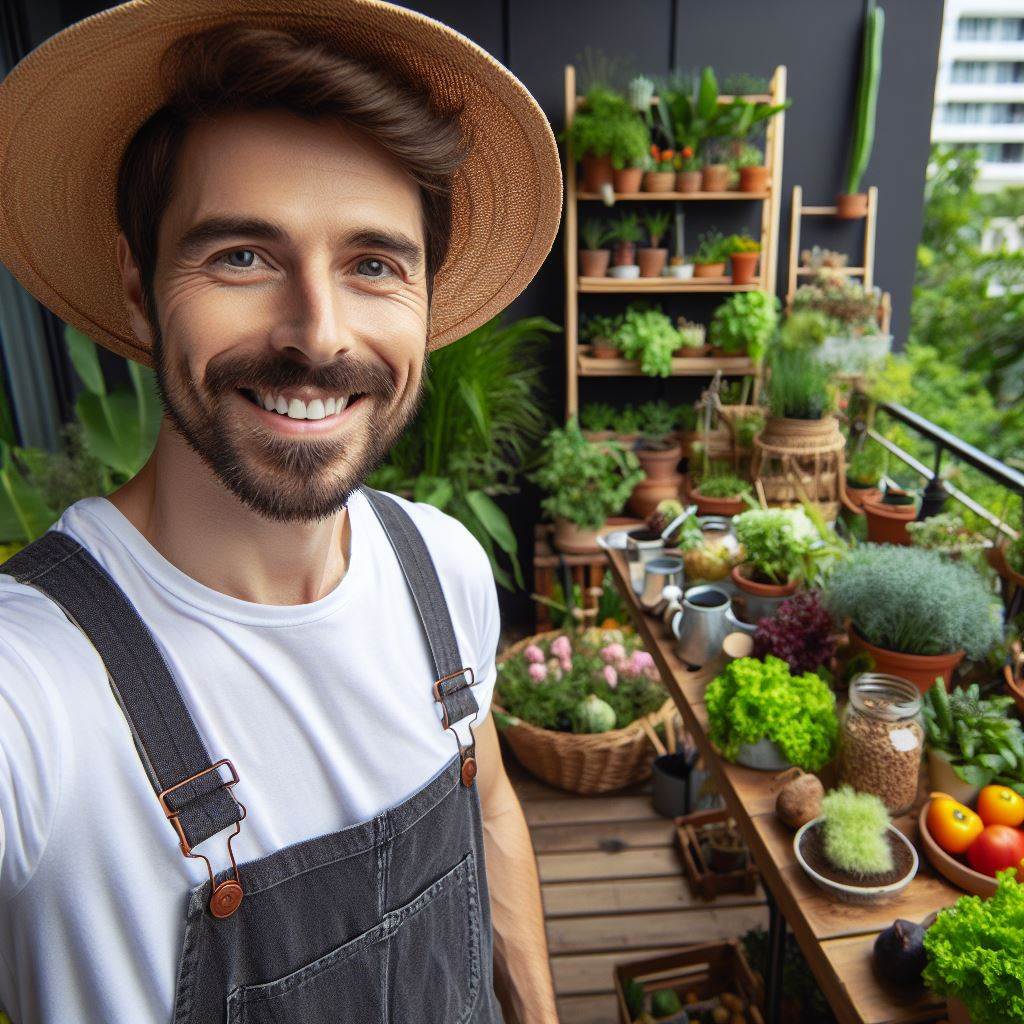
(686, 160)
(662, 159)
(801, 633)
(753, 700)
(545, 683)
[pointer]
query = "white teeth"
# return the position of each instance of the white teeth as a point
(268, 402)
(342, 402)
(329, 407)
(296, 409)
(315, 410)
(281, 406)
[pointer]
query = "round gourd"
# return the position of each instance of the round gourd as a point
(594, 715)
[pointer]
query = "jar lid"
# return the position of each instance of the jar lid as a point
(883, 696)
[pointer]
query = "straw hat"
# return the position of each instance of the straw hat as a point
(71, 106)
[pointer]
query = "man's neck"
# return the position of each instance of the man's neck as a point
(178, 504)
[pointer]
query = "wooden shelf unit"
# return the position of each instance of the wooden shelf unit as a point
(578, 363)
(684, 366)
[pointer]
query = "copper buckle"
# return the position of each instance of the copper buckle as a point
(225, 898)
(439, 696)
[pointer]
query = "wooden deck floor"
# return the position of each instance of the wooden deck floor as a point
(614, 891)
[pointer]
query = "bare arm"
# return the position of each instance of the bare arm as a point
(520, 944)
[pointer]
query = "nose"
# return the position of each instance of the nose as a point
(313, 327)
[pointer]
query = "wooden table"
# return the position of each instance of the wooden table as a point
(836, 938)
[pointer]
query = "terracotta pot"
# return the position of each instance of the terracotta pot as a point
(660, 464)
(659, 181)
(688, 181)
(852, 206)
(623, 254)
(749, 586)
(628, 179)
(753, 179)
(646, 495)
(597, 171)
(744, 266)
(594, 262)
(709, 270)
(887, 524)
(715, 178)
(858, 495)
(602, 348)
(957, 1012)
(920, 669)
(574, 539)
(652, 261)
(717, 506)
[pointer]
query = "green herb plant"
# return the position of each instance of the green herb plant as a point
(606, 125)
(711, 248)
(597, 416)
(742, 243)
(600, 326)
(855, 827)
(866, 464)
(753, 700)
(745, 322)
(691, 335)
(594, 234)
(659, 419)
(776, 543)
(804, 330)
(798, 385)
(657, 224)
(626, 229)
(648, 335)
(724, 485)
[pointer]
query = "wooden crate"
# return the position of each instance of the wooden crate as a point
(709, 969)
(704, 882)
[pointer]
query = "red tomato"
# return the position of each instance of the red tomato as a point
(998, 847)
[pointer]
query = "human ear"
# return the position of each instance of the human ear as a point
(131, 283)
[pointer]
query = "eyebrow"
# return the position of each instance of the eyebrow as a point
(213, 230)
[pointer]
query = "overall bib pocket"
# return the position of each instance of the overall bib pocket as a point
(431, 947)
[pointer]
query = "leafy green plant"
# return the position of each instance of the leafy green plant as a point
(686, 416)
(628, 420)
(626, 229)
(657, 224)
(798, 385)
(855, 827)
(746, 322)
(659, 418)
(867, 97)
(946, 533)
(915, 601)
(585, 482)
(594, 233)
(747, 156)
(711, 248)
(691, 335)
(482, 414)
(724, 485)
(866, 464)
(606, 125)
(753, 700)
(649, 335)
(599, 326)
(776, 542)
(980, 736)
(848, 308)
(742, 243)
(976, 952)
(598, 416)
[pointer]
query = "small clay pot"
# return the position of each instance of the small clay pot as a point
(715, 178)
(688, 181)
(920, 669)
(754, 179)
(602, 348)
(624, 254)
(648, 493)
(597, 171)
(652, 261)
(747, 585)
(709, 270)
(887, 524)
(659, 181)
(628, 179)
(856, 496)
(594, 262)
(574, 539)
(744, 266)
(717, 506)
(660, 463)
(852, 206)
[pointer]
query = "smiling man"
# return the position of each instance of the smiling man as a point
(239, 778)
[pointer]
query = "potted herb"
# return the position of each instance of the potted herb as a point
(852, 203)
(915, 613)
(974, 953)
(798, 387)
(652, 260)
(585, 483)
(597, 420)
(864, 470)
(800, 632)
(692, 338)
(948, 534)
(709, 259)
(601, 332)
(661, 173)
(745, 322)
(606, 133)
(659, 452)
(889, 515)
(648, 335)
(720, 494)
(625, 233)
(763, 716)
(776, 544)
(744, 252)
(628, 427)
(688, 171)
(594, 256)
(853, 852)
(753, 173)
(972, 741)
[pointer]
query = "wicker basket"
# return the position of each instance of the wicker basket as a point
(583, 763)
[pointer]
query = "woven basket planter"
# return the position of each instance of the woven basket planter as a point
(795, 459)
(586, 763)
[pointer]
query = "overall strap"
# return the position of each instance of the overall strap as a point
(194, 792)
(453, 680)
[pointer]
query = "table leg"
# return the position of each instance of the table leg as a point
(776, 959)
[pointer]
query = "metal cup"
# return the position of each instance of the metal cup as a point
(643, 544)
(658, 574)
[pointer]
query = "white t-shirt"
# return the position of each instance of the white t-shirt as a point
(325, 709)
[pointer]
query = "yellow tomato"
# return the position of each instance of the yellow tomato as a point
(952, 825)
(1000, 805)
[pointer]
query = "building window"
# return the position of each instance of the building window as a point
(1002, 152)
(975, 29)
(981, 72)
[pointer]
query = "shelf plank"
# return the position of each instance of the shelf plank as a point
(683, 366)
(693, 285)
(684, 196)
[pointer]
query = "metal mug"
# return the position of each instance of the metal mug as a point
(702, 624)
(643, 544)
(658, 574)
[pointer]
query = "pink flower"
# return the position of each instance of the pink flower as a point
(641, 660)
(561, 648)
(652, 673)
(533, 653)
(538, 671)
(610, 676)
(613, 652)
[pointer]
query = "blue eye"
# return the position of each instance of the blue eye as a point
(237, 252)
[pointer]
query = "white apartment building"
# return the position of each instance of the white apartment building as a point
(979, 90)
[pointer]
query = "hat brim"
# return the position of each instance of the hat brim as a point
(69, 108)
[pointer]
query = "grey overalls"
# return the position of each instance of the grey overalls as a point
(385, 921)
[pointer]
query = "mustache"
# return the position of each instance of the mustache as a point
(269, 373)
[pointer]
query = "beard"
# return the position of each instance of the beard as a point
(282, 478)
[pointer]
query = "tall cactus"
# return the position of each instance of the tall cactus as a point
(867, 97)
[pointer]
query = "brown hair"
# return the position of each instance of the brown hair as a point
(238, 67)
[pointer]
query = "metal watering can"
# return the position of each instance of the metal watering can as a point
(701, 625)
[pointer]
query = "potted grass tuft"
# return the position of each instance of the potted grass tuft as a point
(864, 469)
(659, 451)
(625, 233)
(712, 252)
(601, 331)
(597, 421)
(652, 260)
(586, 482)
(916, 614)
(720, 493)
(594, 256)
(744, 252)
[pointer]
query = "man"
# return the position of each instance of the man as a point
(243, 655)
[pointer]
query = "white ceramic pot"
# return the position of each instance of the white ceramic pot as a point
(629, 271)
(682, 271)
